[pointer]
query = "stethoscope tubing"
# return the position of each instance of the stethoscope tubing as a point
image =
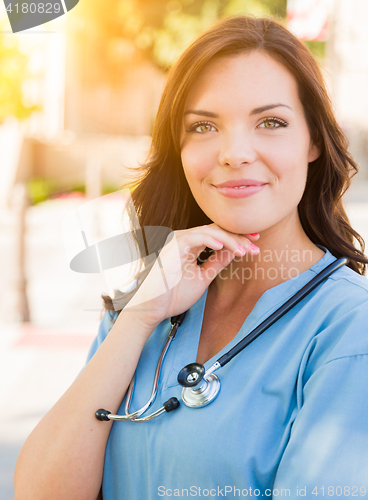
(283, 309)
(224, 359)
(134, 417)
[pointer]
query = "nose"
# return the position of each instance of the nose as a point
(237, 149)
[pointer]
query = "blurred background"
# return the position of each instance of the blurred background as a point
(78, 98)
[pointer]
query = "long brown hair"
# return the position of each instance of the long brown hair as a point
(161, 195)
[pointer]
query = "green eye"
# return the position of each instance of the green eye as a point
(205, 127)
(200, 128)
(270, 123)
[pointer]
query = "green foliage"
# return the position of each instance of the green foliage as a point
(249, 7)
(317, 48)
(179, 30)
(108, 188)
(40, 189)
(13, 73)
(158, 29)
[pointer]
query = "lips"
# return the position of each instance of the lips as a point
(239, 183)
(240, 188)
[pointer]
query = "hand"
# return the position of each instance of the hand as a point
(175, 281)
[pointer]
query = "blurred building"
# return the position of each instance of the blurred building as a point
(104, 118)
(90, 119)
(347, 63)
(342, 25)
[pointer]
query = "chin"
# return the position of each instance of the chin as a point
(238, 229)
(256, 223)
(236, 222)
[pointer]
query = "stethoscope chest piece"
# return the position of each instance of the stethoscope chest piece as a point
(199, 388)
(201, 396)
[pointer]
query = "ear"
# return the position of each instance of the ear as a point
(314, 152)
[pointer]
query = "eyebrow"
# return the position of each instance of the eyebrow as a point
(254, 111)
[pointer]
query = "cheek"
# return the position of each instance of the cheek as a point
(290, 162)
(197, 162)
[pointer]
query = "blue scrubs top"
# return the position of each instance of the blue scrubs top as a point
(291, 418)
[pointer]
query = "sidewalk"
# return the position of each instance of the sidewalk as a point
(38, 361)
(36, 368)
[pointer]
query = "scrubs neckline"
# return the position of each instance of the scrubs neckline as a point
(283, 291)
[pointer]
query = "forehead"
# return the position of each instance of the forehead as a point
(253, 78)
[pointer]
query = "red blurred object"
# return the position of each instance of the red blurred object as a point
(309, 19)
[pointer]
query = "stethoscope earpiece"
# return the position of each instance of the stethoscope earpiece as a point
(171, 404)
(102, 415)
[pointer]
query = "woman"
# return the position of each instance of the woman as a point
(245, 150)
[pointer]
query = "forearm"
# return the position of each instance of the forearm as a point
(63, 456)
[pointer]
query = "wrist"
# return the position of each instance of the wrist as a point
(139, 324)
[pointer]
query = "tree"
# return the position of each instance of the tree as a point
(157, 29)
(13, 74)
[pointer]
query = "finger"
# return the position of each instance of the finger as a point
(185, 249)
(252, 236)
(215, 264)
(249, 245)
(234, 242)
(193, 243)
(244, 240)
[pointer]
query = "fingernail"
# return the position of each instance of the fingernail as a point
(218, 242)
(242, 249)
(254, 234)
(253, 247)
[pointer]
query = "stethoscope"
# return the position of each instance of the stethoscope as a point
(201, 387)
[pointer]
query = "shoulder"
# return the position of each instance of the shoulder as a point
(341, 305)
(343, 291)
(347, 279)
(107, 322)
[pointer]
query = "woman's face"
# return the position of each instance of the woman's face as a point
(243, 122)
